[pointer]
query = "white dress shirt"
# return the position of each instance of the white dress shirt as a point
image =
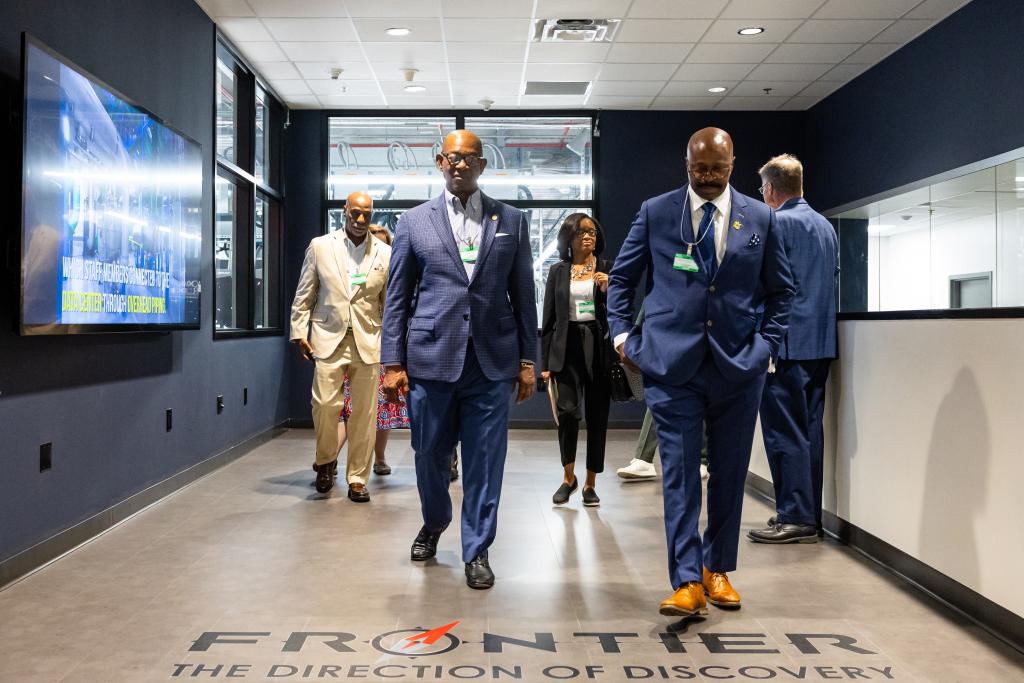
(466, 221)
(356, 253)
(580, 291)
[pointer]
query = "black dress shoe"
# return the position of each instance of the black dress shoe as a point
(425, 545)
(561, 496)
(455, 465)
(590, 498)
(325, 476)
(357, 493)
(478, 572)
(785, 533)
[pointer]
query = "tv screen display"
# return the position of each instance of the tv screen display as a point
(111, 208)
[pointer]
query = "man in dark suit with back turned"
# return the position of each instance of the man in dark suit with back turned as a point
(709, 258)
(460, 330)
(793, 404)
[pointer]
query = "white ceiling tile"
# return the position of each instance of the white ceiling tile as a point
(566, 54)
(799, 103)
(904, 31)
(487, 8)
(838, 30)
(845, 72)
(426, 71)
(341, 87)
(562, 72)
(935, 9)
(676, 9)
(594, 9)
(275, 70)
(728, 53)
(763, 103)
(549, 101)
(498, 31)
(309, 30)
(241, 29)
(654, 53)
(821, 89)
(627, 88)
(463, 71)
(306, 8)
(788, 72)
(473, 102)
(631, 72)
(342, 101)
(612, 102)
(872, 53)
(864, 9)
(423, 30)
(287, 87)
(685, 103)
(226, 8)
(711, 72)
(413, 102)
(434, 89)
(303, 102)
(486, 52)
(696, 88)
(727, 30)
(779, 9)
(812, 53)
(322, 52)
(408, 54)
(479, 89)
(352, 71)
(262, 51)
(393, 8)
(778, 88)
(661, 30)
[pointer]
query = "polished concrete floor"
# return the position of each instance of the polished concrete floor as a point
(248, 574)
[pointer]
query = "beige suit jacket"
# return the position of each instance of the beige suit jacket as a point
(326, 304)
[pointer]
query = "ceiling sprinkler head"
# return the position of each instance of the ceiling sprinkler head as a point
(486, 103)
(409, 85)
(336, 72)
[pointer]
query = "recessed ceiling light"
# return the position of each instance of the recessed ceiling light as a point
(751, 30)
(412, 87)
(398, 31)
(717, 88)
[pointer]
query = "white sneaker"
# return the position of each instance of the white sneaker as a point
(637, 469)
(703, 471)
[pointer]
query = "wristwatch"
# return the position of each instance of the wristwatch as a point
(526, 364)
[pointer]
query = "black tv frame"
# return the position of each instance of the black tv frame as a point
(53, 329)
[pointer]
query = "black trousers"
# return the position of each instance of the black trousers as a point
(582, 380)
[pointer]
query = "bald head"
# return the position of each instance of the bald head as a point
(462, 141)
(358, 212)
(709, 159)
(461, 161)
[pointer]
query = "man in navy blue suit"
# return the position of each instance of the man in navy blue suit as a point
(460, 331)
(793, 403)
(709, 260)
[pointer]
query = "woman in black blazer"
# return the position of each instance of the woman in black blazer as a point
(576, 348)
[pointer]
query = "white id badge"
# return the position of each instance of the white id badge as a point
(685, 262)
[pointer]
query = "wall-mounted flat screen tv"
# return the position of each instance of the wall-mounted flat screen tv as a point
(111, 207)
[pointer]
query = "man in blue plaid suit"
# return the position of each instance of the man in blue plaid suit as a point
(460, 331)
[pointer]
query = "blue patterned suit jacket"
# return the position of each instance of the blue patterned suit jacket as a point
(432, 307)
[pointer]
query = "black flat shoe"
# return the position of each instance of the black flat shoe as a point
(478, 573)
(325, 476)
(425, 545)
(590, 498)
(561, 496)
(381, 468)
(785, 533)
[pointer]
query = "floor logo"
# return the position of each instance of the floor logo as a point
(421, 643)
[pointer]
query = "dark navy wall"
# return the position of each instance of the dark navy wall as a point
(951, 97)
(101, 399)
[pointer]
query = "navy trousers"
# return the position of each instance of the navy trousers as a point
(792, 410)
(730, 410)
(473, 410)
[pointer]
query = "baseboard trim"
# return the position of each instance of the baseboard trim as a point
(992, 617)
(307, 423)
(43, 553)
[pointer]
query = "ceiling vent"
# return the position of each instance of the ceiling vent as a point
(556, 87)
(575, 30)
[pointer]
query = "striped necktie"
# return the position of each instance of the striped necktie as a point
(706, 235)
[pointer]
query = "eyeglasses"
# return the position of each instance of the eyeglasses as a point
(454, 159)
(705, 171)
(586, 232)
(761, 189)
(356, 214)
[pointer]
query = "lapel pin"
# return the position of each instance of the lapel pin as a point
(494, 217)
(736, 225)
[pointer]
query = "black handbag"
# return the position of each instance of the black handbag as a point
(621, 388)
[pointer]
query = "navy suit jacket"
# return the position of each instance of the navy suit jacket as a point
(432, 307)
(813, 252)
(688, 315)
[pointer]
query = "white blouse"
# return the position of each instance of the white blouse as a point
(581, 300)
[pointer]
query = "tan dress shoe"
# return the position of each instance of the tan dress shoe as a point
(720, 591)
(688, 601)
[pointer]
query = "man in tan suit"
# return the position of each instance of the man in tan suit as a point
(339, 303)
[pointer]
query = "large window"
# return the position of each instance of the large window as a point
(248, 198)
(955, 243)
(540, 164)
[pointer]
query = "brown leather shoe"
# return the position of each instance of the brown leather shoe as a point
(720, 591)
(688, 601)
(357, 493)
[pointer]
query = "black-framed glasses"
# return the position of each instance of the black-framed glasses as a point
(705, 171)
(761, 189)
(356, 214)
(585, 232)
(454, 159)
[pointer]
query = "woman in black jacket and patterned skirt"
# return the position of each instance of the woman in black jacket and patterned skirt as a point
(576, 349)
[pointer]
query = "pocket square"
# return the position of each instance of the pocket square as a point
(501, 234)
(755, 240)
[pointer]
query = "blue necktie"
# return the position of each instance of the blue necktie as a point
(706, 235)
